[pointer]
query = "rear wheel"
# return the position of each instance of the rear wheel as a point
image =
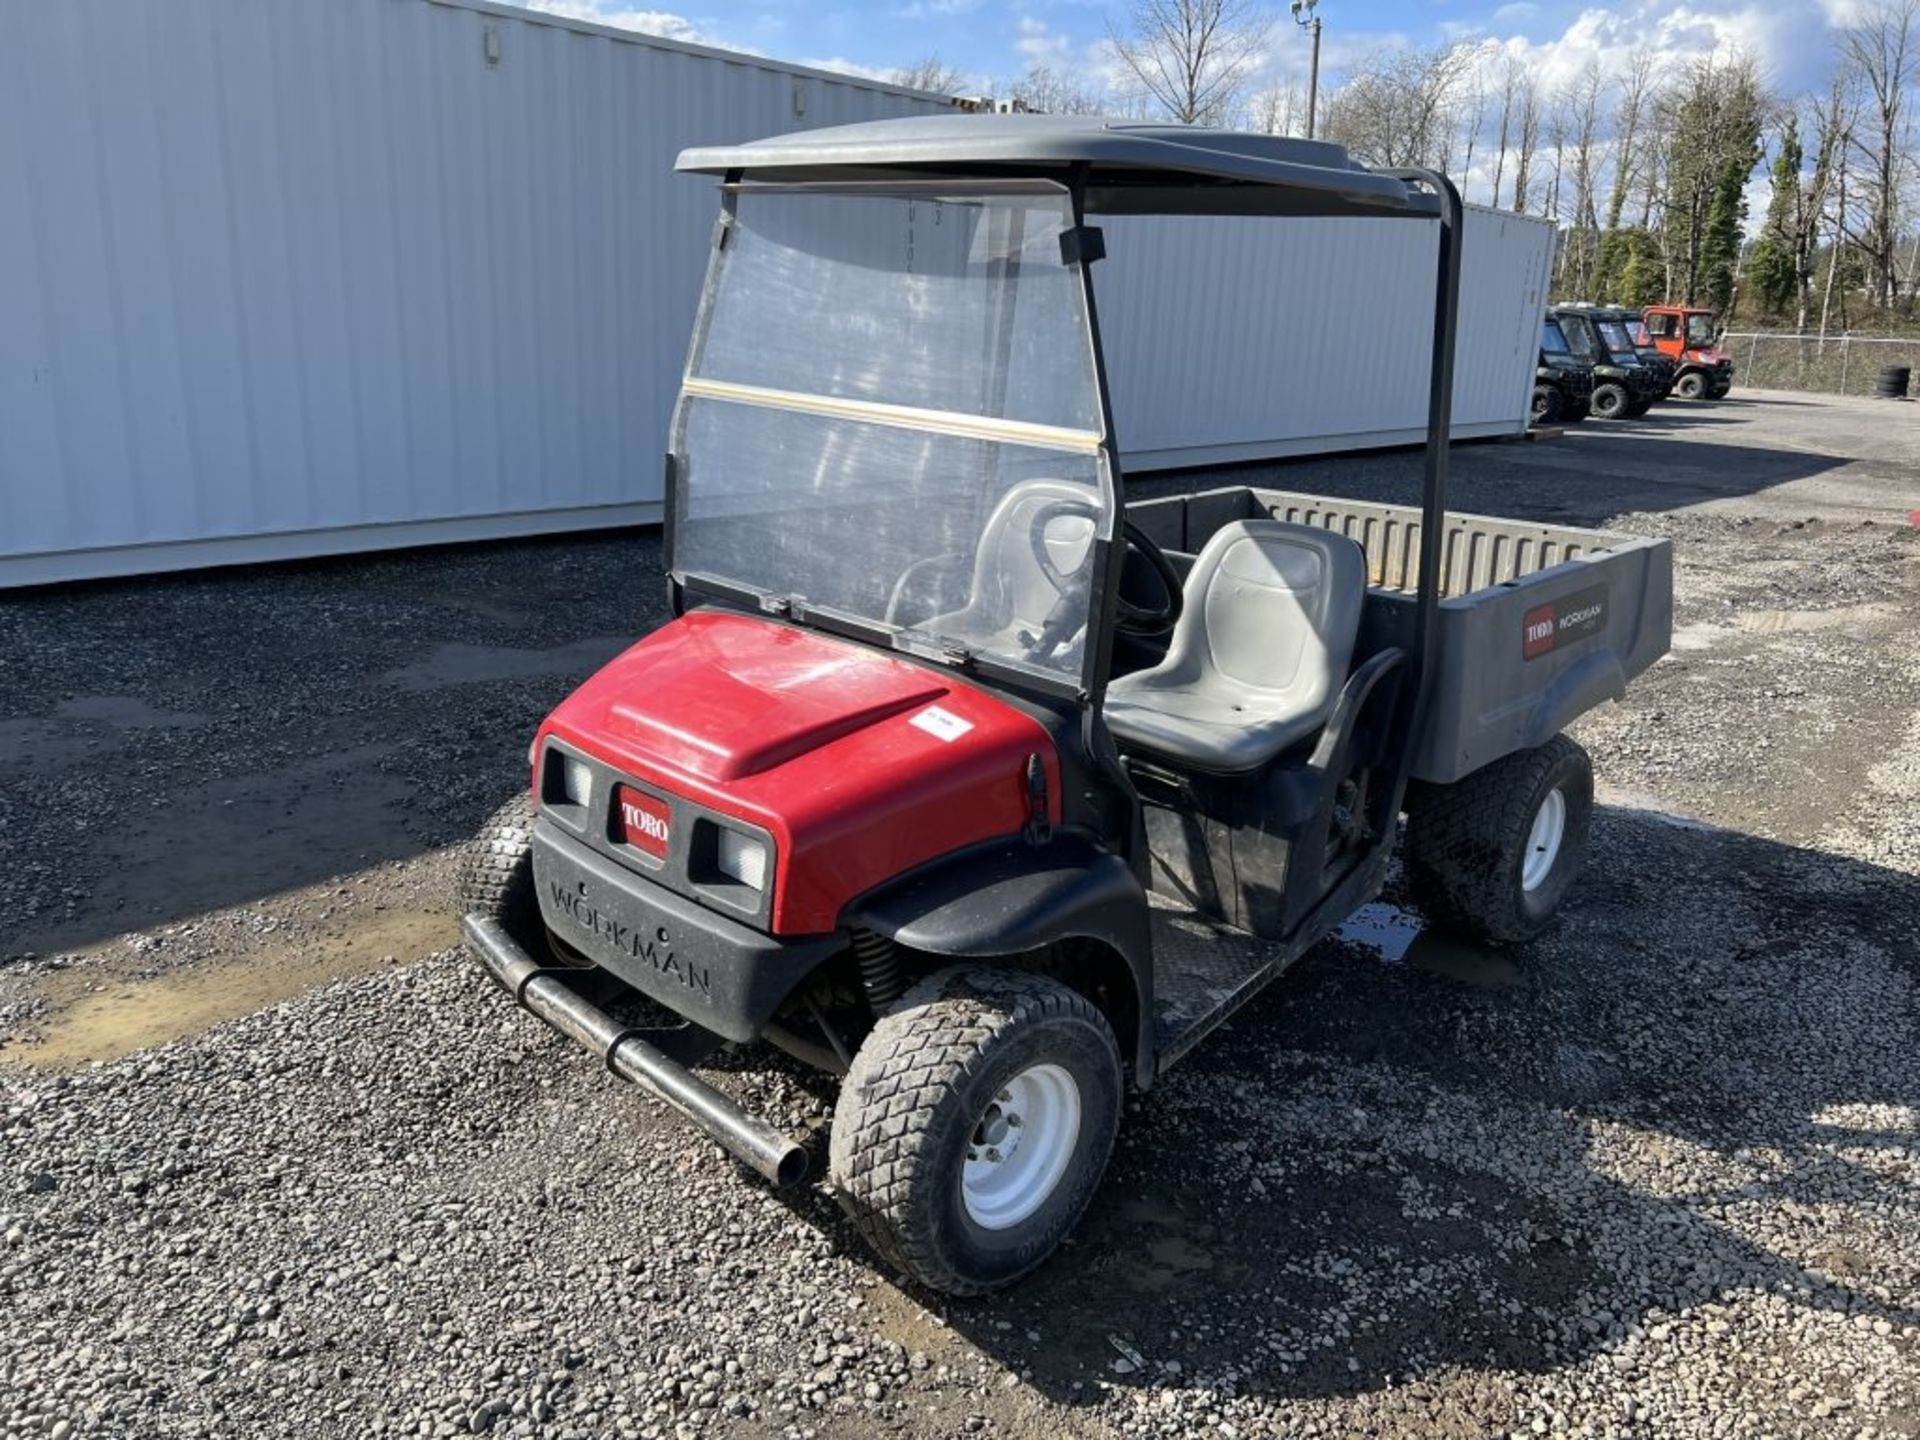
(1691, 386)
(1609, 400)
(496, 873)
(975, 1124)
(1492, 856)
(1547, 405)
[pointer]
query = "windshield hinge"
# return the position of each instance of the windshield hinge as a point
(957, 655)
(1039, 827)
(777, 604)
(1082, 245)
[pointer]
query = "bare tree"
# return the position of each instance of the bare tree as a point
(1398, 106)
(1511, 72)
(932, 74)
(1047, 91)
(1193, 57)
(1277, 109)
(1527, 139)
(1636, 86)
(1474, 104)
(1881, 50)
(1832, 122)
(1583, 114)
(1557, 120)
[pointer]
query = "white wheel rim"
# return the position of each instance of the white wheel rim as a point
(1021, 1147)
(1543, 841)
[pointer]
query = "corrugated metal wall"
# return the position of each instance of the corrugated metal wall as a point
(1242, 339)
(306, 276)
(292, 277)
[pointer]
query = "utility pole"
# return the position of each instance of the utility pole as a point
(1304, 17)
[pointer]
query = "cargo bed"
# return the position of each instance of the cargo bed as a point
(1538, 624)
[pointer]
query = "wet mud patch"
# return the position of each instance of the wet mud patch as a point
(92, 1012)
(87, 727)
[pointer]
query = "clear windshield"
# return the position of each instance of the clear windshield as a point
(1699, 331)
(1578, 340)
(1616, 338)
(1552, 340)
(891, 416)
(1641, 339)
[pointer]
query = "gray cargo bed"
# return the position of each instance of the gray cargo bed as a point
(1540, 622)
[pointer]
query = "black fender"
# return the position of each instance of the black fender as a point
(1011, 898)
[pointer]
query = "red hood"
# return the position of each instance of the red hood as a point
(859, 764)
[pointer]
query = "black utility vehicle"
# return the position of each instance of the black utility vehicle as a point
(1623, 387)
(1630, 321)
(1563, 383)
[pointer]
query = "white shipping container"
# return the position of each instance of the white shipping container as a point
(318, 276)
(1248, 339)
(310, 276)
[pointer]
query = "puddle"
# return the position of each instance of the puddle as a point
(450, 665)
(1402, 938)
(84, 727)
(96, 1015)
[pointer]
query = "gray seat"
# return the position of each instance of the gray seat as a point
(1010, 595)
(1259, 655)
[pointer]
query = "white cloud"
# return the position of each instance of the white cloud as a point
(886, 74)
(1039, 44)
(663, 23)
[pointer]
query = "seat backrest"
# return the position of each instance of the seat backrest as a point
(1009, 588)
(1272, 612)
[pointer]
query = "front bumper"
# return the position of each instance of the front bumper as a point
(716, 971)
(627, 1055)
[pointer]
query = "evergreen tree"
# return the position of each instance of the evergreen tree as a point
(1720, 246)
(1771, 269)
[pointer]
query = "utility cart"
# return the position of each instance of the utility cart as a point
(1690, 339)
(957, 777)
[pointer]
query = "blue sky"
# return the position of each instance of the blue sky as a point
(989, 38)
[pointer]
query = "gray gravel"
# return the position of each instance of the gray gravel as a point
(1657, 1174)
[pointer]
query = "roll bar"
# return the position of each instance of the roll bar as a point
(1433, 490)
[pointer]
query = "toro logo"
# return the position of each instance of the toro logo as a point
(643, 820)
(1545, 628)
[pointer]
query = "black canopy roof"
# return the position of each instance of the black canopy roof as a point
(1131, 167)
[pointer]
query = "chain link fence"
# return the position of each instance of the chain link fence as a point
(1836, 365)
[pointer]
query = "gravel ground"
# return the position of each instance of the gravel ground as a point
(275, 1161)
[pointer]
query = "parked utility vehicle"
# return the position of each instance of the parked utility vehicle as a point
(1687, 336)
(956, 776)
(1623, 386)
(1665, 371)
(1563, 383)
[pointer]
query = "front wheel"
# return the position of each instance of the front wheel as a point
(1691, 386)
(1547, 405)
(1609, 400)
(1492, 856)
(975, 1124)
(495, 877)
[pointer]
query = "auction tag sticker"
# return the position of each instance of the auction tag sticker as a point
(941, 724)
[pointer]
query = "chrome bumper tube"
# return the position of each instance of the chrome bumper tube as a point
(747, 1138)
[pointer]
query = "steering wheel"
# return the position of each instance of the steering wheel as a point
(1129, 616)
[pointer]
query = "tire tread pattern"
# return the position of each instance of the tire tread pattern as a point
(495, 877)
(933, 1041)
(1459, 838)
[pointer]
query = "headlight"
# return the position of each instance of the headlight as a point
(741, 857)
(576, 780)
